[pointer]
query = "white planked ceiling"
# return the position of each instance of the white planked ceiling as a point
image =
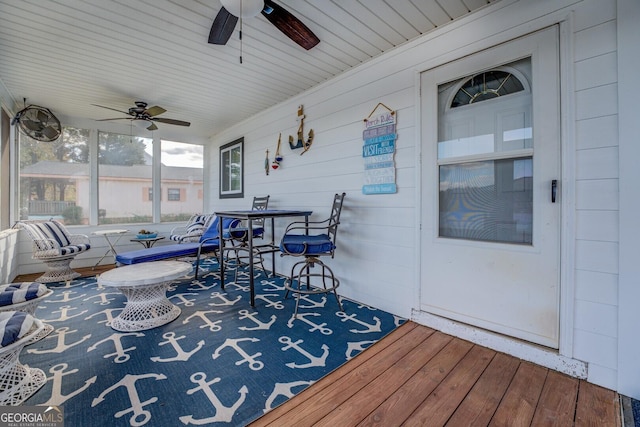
(69, 54)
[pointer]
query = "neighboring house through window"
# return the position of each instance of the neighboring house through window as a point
(173, 194)
(55, 179)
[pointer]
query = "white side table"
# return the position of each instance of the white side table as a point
(107, 234)
(145, 286)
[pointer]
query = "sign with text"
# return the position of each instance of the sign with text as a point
(32, 416)
(379, 147)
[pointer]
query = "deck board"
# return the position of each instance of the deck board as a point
(478, 407)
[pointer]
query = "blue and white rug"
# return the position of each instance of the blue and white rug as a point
(221, 362)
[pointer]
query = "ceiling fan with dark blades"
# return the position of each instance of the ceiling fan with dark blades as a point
(282, 19)
(144, 117)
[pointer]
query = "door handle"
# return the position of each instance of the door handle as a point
(554, 190)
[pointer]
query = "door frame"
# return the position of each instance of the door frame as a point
(527, 351)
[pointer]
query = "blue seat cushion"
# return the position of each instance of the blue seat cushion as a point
(15, 293)
(301, 244)
(241, 232)
(74, 249)
(157, 253)
(13, 326)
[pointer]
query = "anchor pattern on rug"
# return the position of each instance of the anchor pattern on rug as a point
(221, 362)
(223, 413)
(139, 415)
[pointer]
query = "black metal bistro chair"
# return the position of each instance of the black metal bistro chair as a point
(239, 237)
(312, 240)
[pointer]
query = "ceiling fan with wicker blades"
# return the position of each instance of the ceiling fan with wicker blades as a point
(144, 117)
(38, 123)
(282, 19)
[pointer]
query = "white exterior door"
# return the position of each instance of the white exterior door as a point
(490, 233)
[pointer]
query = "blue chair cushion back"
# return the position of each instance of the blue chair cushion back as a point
(13, 326)
(301, 244)
(212, 231)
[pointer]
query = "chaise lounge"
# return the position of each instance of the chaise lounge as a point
(209, 242)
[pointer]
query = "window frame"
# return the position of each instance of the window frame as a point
(171, 193)
(225, 170)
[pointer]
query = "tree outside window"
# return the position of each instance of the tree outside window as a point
(54, 177)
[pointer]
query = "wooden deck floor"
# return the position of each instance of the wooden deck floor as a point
(420, 377)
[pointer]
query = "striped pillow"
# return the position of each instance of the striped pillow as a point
(15, 293)
(13, 326)
(49, 230)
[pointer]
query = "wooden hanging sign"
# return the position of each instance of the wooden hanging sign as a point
(379, 136)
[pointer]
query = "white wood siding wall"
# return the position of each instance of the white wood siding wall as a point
(596, 258)
(378, 240)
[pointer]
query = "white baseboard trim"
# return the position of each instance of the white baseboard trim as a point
(520, 349)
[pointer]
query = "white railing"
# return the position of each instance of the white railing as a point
(8, 255)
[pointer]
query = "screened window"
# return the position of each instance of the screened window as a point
(182, 175)
(124, 175)
(54, 177)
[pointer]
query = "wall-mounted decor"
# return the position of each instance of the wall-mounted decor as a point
(232, 170)
(266, 163)
(278, 157)
(379, 138)
(301, 143)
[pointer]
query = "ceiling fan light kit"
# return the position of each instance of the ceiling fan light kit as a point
(140, 124)
(243, 8)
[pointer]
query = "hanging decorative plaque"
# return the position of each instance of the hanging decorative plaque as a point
(379, 148)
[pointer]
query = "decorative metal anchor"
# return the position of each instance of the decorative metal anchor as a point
(301, 143)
